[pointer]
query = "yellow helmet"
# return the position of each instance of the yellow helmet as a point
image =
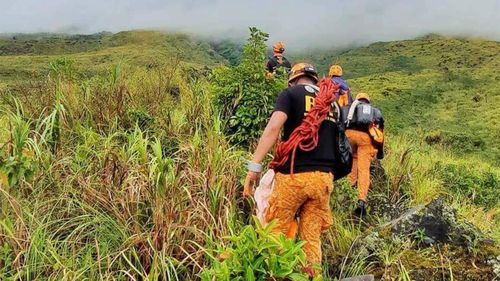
(363, 96)
(335, 70)
(301, 69)
(279, 47)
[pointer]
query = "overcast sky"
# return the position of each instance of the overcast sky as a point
(313, 23)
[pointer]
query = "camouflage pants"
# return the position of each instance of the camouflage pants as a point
(308, 195)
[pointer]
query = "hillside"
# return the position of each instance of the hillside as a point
(118, 160)
(27, 56)
(440, 89)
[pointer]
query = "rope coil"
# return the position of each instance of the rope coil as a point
(305, 137)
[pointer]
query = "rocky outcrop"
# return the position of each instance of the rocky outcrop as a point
(435, 223)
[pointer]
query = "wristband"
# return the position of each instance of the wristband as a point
(254, 167)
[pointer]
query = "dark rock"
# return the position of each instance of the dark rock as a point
(368, 245)
(438, 221)
(434, 138)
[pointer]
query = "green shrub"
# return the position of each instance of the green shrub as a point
(244, 93)
(403, 63)
(480, 186)
(17, 161)
(257, 254)
(6, 261)
(464, 142)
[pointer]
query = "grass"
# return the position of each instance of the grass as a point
(432, 87)
(131, 48)
(124, 172)
(123, 204)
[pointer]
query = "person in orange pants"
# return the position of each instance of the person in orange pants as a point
(362, 155)
(363, 151)
(307, 194)
(302, 187)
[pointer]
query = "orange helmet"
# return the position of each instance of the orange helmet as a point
(279, 47)
(335, 70)
(302, 69)
(363, 96)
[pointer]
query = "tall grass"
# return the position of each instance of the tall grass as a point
(114, 196)
(129, 176)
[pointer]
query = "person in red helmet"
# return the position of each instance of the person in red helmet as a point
(277, 60)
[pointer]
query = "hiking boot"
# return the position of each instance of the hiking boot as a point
(360, 210)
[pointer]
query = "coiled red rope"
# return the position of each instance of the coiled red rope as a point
(305, 137)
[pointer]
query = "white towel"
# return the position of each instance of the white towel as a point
(263, 193)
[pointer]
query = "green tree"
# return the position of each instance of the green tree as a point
(244, 93)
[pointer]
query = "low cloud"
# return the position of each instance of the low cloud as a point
(301, 24)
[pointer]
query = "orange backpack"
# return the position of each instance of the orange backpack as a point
(343, 99)
(376, 134)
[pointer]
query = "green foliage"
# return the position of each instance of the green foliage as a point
(107, 178)
(257, 254)
(6, 261)
(17, 162)
(403, 63)
(420, 236)
(479, 186)
(244, 93)
(125, 172)
(62, 69)
(27, 57)
(229, 50)
(428, 84)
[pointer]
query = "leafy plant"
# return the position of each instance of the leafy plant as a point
(420, 236)
(17, 161)
(244, 93)
(257, 254)
(479, 186)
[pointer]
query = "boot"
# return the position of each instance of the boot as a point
(360, 210)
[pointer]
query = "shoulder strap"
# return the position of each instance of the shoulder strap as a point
(350, 115)
(273, 58)
(337, 108)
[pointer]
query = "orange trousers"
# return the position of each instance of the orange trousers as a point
(362, 153)
(308, 195)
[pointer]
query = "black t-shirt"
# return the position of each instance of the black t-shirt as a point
(274, 62)
(295, 102)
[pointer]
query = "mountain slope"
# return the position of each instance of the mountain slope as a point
(131, 175)
(25, 56)
(441, 89)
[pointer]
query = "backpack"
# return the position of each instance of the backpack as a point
(280, 61)
(373, 129)
(365, 116)
(343, 150)
(360, 114)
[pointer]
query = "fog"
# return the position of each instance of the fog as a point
(301, 24)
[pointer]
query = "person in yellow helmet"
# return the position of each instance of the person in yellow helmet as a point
(278, 60)
(365, 126)
(343, 96)
(302, 186)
